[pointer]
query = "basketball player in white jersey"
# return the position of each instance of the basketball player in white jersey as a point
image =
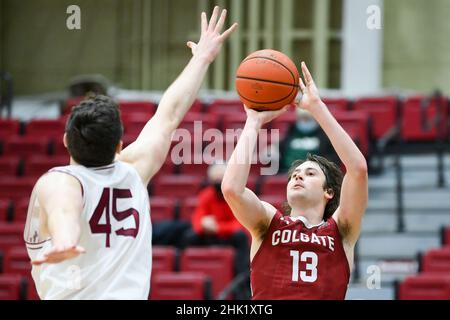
(88, 231)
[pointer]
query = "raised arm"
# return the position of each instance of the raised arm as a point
(60, 197)
(255, 215)
(354, 190)
(148, 152)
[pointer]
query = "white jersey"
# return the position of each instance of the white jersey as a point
(115, 231)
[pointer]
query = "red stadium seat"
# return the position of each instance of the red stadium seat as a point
(53, 129)
(162, 208)
(447, 236)
(177, 186)
(9, 129)
(17, 261)
(286, 119)
(412, 120)
(134, 124)
(72, 102)
(163, 259)
(187, 208)
(356, 124)
(11, 234)
(425, 286)
(36, 166)
(59, 149)
(179, 286)
(194, 169)
(336, 104)
(10, 287)
(437, 260)
(382, 110)
(216, 262)
(143, 107)
(16, 188)
(233, 121)
(4, 210)
(274, 186)
(9, 165)
(222, 107)
(198, 121)
(21, 210)
(26, 146)
(32, 292)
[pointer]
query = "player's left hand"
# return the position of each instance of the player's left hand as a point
(58, 254)
(211, 40)
(310, 93)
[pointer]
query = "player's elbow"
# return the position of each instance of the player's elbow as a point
(229, 190)
(360, 168)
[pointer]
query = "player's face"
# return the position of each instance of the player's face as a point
(306, 183)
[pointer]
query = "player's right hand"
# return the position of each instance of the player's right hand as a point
(211, 40)
(58, 254)
(264, 116)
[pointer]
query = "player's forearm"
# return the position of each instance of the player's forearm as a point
(238, 168)
(64, 228)
(182, 93)
(344, 146)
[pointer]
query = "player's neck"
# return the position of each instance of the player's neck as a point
(73, 162)
(312, 214)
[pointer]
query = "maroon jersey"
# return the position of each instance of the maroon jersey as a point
(296, 262)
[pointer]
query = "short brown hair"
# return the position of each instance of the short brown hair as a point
(94, 129)
(333, 181)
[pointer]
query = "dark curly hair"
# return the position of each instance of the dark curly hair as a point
(333, 181)
(94, 130)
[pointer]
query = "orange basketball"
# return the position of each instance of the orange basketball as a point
(267, 80)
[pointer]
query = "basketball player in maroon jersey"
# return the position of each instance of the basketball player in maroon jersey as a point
(307, 253)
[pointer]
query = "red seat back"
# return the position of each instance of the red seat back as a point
(9, 128)
(216, 262)
(162, 208)
(10, 287)
(425, 287)
(437, 260)
(16, 188)
(163, 259)
(9, 165)
(412, 120)
(36, 166)
(383, 112)
(45, 128)
(179, 286)
(17, 261)
(25, 147)
(11, 235)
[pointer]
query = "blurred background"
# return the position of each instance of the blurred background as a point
(382, 67)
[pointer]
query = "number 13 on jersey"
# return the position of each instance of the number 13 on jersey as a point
(311, 260)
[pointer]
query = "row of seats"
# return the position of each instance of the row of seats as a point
(216, 263)
(416, 113)
(166, 192)
(433, 281)
(194, 273)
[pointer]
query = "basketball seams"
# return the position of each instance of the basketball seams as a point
(273, 60)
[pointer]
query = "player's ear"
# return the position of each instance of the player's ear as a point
(329, 193)
(65, 140)
(119, 147)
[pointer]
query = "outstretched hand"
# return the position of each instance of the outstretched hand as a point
(310, 93)
(211, 39)
(58, 254)
(264, 116)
